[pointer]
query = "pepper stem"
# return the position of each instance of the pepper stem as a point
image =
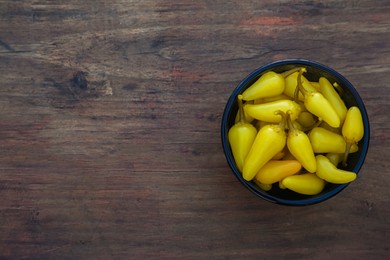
(296, 94)
(338, 88)
(299, 87)
(290, 124)
(282, 123)
(289, 72)
(241, 112)
(348, 148)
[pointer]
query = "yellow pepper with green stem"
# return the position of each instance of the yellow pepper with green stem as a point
(269, 141)
(299, 145)
(241, 137)
(325, 141)
(268, 85)
(333, 97)
(352, 130)
(267, 111)
(327, 171)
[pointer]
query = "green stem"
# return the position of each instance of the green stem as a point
(289, 72)
(299, 87)
(348, 148)
(338, 88)
(289, 122)
(242, 119)
(282, 123)
(296, 94)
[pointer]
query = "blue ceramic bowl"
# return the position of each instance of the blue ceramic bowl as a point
(314, 71)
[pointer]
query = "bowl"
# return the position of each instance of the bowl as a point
(314, 70)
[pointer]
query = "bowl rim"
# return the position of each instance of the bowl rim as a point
(232, 99)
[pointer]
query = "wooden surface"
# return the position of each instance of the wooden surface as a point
(110, 129)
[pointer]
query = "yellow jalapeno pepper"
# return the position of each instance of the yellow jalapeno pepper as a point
(333, 97)
(327, 171)
(267, 111)
(325, 141)
(241, 137)
(318, 105)
(353, 129)
(299, 145)
(306, 119)
(307, 183)
(269, 141)
(269, 84)
(276, 170)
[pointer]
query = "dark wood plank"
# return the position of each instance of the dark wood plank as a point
(110, 129)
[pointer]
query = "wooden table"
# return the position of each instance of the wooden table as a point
(110, 116)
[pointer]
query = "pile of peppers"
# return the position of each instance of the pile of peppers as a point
(294, 133)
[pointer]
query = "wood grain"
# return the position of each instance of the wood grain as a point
(110, 129)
